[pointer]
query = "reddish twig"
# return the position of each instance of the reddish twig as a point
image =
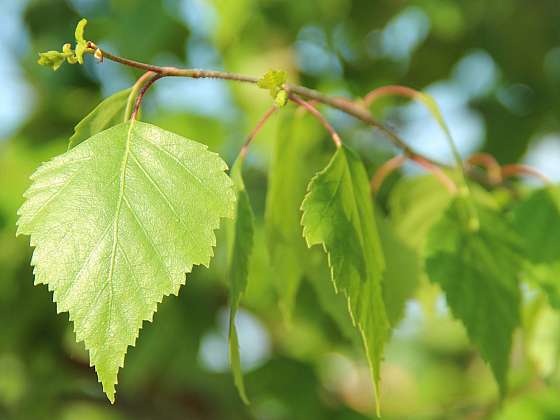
(517, 169)
(134, 91)
(315, 112)
(488, 161)
(440, 175)
(389, 90)
(143, 91)
(253, 133)
(385, 170)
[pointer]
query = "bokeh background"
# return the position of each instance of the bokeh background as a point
(494, 68)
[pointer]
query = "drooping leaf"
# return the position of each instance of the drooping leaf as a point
(293, 160)
(240, 245)
(337, 213)
(108, 113)
(402, 270)
(478, 271)
(116, 224)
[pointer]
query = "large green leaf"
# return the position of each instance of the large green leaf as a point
(294, 158)
(108, 113)
(536, 219)
(116, 223)
(478, 271)
(337, 213)
(240, 245)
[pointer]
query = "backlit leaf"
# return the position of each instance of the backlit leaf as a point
(116, 223)
(337, 213)
(478, 271)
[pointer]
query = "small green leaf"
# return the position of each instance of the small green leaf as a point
(337, 213)
(281, 98)
(53, 59)
(108, 113)
(240, 245)
(81, 43)
(478, 271)
(273, 81)
(116, 223)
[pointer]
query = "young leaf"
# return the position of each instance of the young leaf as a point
(53, 59)
(402, 270)
(81, 44)
(116, 223)
(108, 113)
(240, 245)
(478, 271)
(337, 213)
(295, 151)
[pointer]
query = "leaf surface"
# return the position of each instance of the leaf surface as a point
(536, 219)
(337, 213)
(116, 223)
(108, 113)
(240, 245)
(478, 271)
(294, 157)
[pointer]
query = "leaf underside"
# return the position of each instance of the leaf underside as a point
(478, 271)
(108, 113)
(337, 213)
(116, 223)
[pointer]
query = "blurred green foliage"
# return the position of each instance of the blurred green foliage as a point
(494, 67)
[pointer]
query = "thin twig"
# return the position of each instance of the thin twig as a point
(253, 133)
(388, 90)
(516, 169)
(385, 170)
(440, 175)
(488, 161)
(142, 93)
(134, 91)
(315, 112)
(342, 104)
